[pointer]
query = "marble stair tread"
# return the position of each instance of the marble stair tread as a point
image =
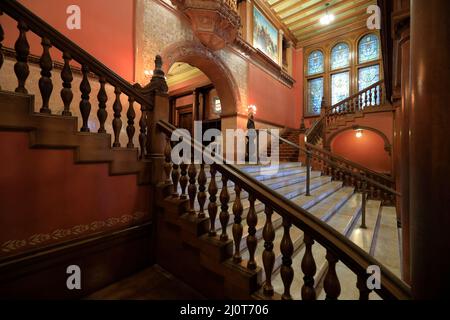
(327, 207)
(364, 237)
(344, 218)
(387, 249)
(295, 186)
(317, 195)
(287, 193)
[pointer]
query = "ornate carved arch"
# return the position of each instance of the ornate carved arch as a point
(211, 65)
(387, 144)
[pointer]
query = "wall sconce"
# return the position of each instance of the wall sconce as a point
(359, 133)
(251, 109)
(148, 73)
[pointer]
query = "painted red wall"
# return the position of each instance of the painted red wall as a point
(43, 190)
(107, 30)
(275, 101)
(367, 150)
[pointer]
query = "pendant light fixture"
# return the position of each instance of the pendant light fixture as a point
(327, 18)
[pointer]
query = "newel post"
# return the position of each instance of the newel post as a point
(157, 94)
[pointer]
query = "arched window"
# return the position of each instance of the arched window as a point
(368, 48)
(340, 56)
(315, 62)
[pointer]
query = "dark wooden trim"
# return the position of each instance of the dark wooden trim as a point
(103, 258)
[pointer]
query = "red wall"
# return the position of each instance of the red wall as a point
(107, 30)
(43, 190)
(367, 150)
(275, 101)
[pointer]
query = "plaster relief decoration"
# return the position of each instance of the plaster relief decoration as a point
(215, 22)
(265, 35)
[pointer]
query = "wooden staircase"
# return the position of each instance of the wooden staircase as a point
(299, 218)
(332, 202)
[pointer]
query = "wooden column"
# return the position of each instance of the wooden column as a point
(429, 149)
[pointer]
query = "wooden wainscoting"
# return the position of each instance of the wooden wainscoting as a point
(103, 259)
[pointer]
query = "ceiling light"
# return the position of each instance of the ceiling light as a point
(327, 18)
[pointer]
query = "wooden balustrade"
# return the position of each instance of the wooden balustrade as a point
(91, 69)
(316, 232)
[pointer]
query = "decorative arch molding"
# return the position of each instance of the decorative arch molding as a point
(387, 144)
(197, 55)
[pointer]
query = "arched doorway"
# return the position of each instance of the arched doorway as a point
(364, 145)
(196, 55)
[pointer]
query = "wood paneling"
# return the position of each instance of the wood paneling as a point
(102, 258)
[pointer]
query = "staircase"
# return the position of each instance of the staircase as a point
(299, 218)
(330, 201)
(289, 153)
(346, 112)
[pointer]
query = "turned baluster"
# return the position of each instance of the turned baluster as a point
(67, 78)
(175, 179)
(360, 102)
(183, 180)
(237, 226)
(212, 206)
(167, 160)
(143, 133)
(341, 176)
(192, 189)
(375, 95)
(2, 37)
(45, 82)
(364, 291)
(131, 115)
(224, 216)
(201, 197)
(369, 98)
(309, 270)
(372, 192)
(252, 221)
(85, 105)
(287, 249)
(117, 121)
(268, 254)
(331, 283)
(22, 48)
(102, 98)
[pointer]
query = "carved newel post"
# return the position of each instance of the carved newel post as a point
(157, 93)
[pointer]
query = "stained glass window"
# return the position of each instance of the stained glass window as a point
(368, 76)
(340, 87)
(340, 56)
(315, 93)
(315, 62)
(368, 48)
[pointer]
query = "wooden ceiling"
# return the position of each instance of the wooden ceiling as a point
(302, 17)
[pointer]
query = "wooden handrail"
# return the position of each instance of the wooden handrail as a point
(356, 94)
(346, 251)
(20, 13)
(351, 163)
(343, 168)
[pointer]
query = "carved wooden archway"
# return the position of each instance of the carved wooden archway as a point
(387, 144)
(195, 54)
